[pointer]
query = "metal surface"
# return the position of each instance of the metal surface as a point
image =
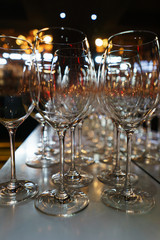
(96, 222)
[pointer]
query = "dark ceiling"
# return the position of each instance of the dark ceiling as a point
(113, 16)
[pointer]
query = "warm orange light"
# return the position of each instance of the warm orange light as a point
(5, 45)
(101, 44)
(40, 48)
(19, 41)
(34, 32)
(121, 50)
(105, 42)
(48, 47)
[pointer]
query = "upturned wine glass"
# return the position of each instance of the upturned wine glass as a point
(130, 97)
(17, 70)
(64, 97)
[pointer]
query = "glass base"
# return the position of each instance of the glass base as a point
(49, 149)
(23, 190)
(74, 179)
(41, 162)
(49, 203)
(139, 202)
(115, 179)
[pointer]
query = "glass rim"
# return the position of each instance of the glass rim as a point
(61, 28)
(132, 31)
(16, 38)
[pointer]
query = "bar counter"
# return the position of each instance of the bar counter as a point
(96, 222)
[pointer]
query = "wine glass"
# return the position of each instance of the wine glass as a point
(148, 155)
(16, 71)
(48, 40)
(64, 97)
(44, 157)
(130, 97)
(84, 156)
(147, 45)
(114, 176)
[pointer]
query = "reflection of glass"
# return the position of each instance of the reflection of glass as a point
(44, 157)
(116, 177)
(83, 156)
(64, 99)
(16, 70)
(130, 96)
(149, 155)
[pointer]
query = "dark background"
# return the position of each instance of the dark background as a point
(112, 15)
(21, 16)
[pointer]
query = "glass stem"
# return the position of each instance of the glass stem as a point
(148, 131)
(73, 173)
(61, 195)
(114, 136)
(12, 184)
(61, 135)
(127, 187)
(80, 138)
(73, 148)
(42, 136)
(117, 167)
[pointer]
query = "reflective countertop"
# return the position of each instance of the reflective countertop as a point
(96, 222)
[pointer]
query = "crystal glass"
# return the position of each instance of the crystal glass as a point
(48, 40)
(17, 69)
(44, 155)
(129, 97)
(64, 97)
(114, 176)
(84, 156)
(149, 155)
(76, 177)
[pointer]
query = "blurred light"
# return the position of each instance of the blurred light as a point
(62, 15)
(99, 42)
(47, 39)
(98, 59)
(19, 41)
(3, 61)
(114, 59)
(15, 56)
(123, 66)
(121, 50)
(105, 42)
(93, 17)
(26, 56)
(48, 56)
(34, 31)
(6, 55)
